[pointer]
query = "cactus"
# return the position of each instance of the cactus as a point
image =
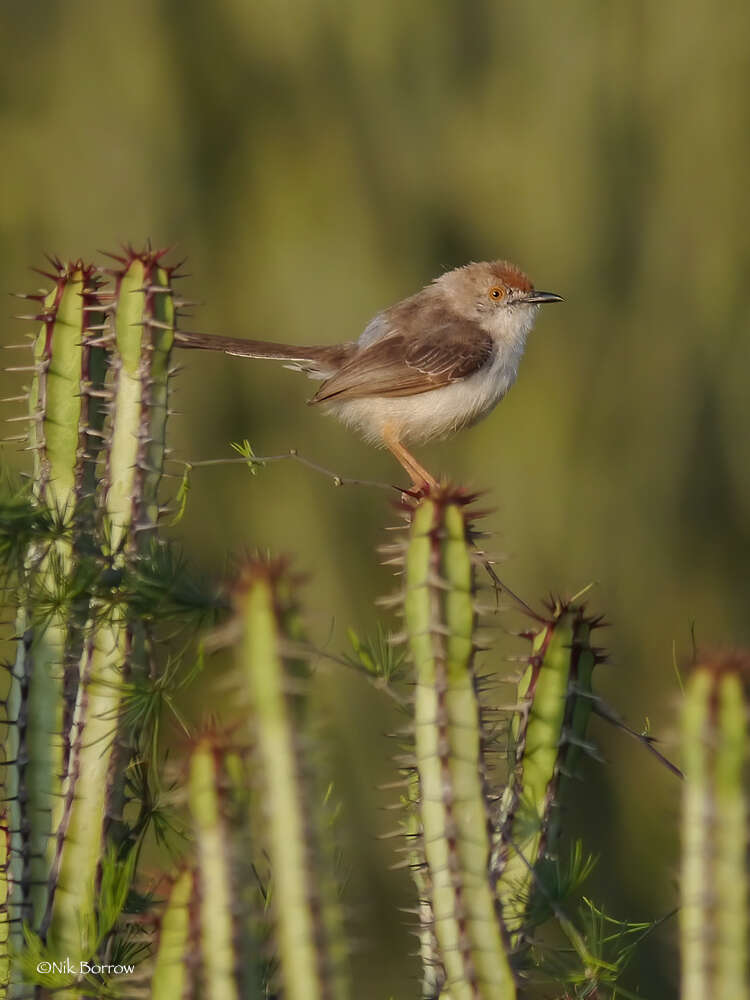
(61, 399)
(70, 918)
(216, 923)
(99, 376)
(81, 774)
(714, 923)
(433, 971)
(474, 854)
(243, 808)
(4, 915)
(117, 644)
(144, 323)
(306, 922)
(547, 736)
(172, 968)
(440, 615)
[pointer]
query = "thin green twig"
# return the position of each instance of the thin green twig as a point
(294, 456)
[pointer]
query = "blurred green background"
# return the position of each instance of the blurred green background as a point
(318, 160)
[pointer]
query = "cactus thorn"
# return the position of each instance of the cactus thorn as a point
(112, 256)
(31, 417)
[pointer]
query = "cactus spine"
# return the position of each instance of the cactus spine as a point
(439, 606)
(716, 752)
(547, 735)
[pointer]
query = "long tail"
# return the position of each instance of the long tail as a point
(317, 361)
(245, 348)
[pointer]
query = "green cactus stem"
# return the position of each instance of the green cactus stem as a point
(59, 397)
(439, 606)
(14, 831)
(215, 890)
(4, 913)
(93, 799)
(433, 972)
(714, 925)
(63, 396)
(143, 317)
(144, 332)
(306, 925)
(172, 967)
(547, 737)
(80, 840)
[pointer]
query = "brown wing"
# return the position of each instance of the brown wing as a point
(406, 365)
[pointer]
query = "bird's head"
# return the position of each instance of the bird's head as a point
(496, 294)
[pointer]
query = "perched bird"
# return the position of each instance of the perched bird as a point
(426, 367)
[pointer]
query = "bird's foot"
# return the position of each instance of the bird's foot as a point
(420, 488)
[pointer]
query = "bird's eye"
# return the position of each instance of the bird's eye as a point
(497, 293)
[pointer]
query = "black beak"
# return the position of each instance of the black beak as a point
(538, 297)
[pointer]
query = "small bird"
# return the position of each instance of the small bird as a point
(422, 369)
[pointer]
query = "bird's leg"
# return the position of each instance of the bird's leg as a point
(419, 475)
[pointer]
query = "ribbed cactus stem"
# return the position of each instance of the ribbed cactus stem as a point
(216, 904)
(14, 791)
(172, 966)
(58, 411)
(80, 840)
(547, 736)
(732, 838)
(93, 793)
(128, 395)
(433, 972)
(56, 400)
(697, 819)
(716, 752)
(439, 605)
(160, 325)
(4, 910)
(144, 332)
(307, 968)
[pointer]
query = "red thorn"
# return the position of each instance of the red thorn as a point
(112, 256)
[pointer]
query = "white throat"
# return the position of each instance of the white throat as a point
(509, 328)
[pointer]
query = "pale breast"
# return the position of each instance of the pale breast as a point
(430, 415)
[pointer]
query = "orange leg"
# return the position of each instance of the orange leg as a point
(419, 475)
